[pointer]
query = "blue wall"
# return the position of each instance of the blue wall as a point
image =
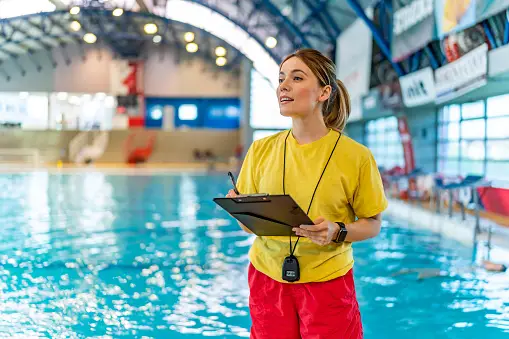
(219, 113)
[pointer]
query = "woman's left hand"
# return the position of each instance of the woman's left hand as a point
(321, 233)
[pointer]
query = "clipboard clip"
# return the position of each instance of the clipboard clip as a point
(248, 198)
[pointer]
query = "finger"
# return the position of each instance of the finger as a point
(313, 228)
(318, 220)
(309, 234)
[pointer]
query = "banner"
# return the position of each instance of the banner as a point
(463, 75)
(455, 15)
(353, 57)
(497, 61)
(390, 95)
(413, 26)
(418, 88)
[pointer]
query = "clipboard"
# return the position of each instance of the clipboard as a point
(266, 215)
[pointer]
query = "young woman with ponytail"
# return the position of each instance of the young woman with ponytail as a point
(334, 179)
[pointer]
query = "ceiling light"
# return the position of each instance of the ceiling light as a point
(90, 38)
(117, 12)
(74, 10)
(157, 39)
(192, 47)
(75, 25)
(271, 42)
(150, 28)
(221, 61)
(220, 51)
(189, 37)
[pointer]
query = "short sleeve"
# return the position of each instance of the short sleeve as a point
(246, 182)
(369, 197)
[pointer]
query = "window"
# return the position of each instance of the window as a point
(188, 112)
(382, 138)
(473, 138)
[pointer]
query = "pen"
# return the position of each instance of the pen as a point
(233, 182)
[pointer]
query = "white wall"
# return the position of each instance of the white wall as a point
(164, 77)
(88, 75)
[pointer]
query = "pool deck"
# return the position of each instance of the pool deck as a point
(453, 227)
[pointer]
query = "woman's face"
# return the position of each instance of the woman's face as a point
(299, 93)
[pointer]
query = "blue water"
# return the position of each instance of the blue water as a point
(90, 255)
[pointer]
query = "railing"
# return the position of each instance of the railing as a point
(473, 195)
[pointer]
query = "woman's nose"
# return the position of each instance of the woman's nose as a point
(284, 86)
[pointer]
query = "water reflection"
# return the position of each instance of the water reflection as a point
(94, 255)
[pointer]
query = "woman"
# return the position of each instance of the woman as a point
(335, 180)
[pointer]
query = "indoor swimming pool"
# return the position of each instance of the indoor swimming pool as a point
(95, 255)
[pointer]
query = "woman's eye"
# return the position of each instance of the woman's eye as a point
(297, 78)
(280, 80)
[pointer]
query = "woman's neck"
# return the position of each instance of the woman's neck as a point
(308, 129)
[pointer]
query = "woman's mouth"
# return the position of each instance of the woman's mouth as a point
(285, 100)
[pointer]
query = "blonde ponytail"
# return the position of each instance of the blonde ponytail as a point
(337, 109)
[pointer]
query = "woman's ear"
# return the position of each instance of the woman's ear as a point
(326, 93)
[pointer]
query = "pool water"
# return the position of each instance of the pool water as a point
(90, 255)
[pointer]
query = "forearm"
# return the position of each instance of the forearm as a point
(363, 229)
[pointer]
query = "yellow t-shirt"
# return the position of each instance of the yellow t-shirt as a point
(351, 186)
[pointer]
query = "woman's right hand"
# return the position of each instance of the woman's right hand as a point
(232, 194)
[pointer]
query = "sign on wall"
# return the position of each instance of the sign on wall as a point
(455, 15)
(413, 26)
(418, 88)
(463, 75)
(353, 57)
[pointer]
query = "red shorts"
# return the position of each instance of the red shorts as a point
(320, 310)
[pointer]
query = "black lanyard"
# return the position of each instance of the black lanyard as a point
(316, 187)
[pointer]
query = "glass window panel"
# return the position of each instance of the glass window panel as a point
(443, 114)
(454, 113)
(472, 110)
(380, 125)
(497, 171)
(471, 167)
(393, 149)
(449, 150)
(392, 123)
(393, 136)
(498, 127)
(371, 138)
(498, 106)
(473, 129)
(498, 150)
(371, 125)
(451, 167)
(473, 150)
(449, 131)
(441, 165)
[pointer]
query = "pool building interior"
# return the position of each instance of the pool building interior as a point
(120, 120)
